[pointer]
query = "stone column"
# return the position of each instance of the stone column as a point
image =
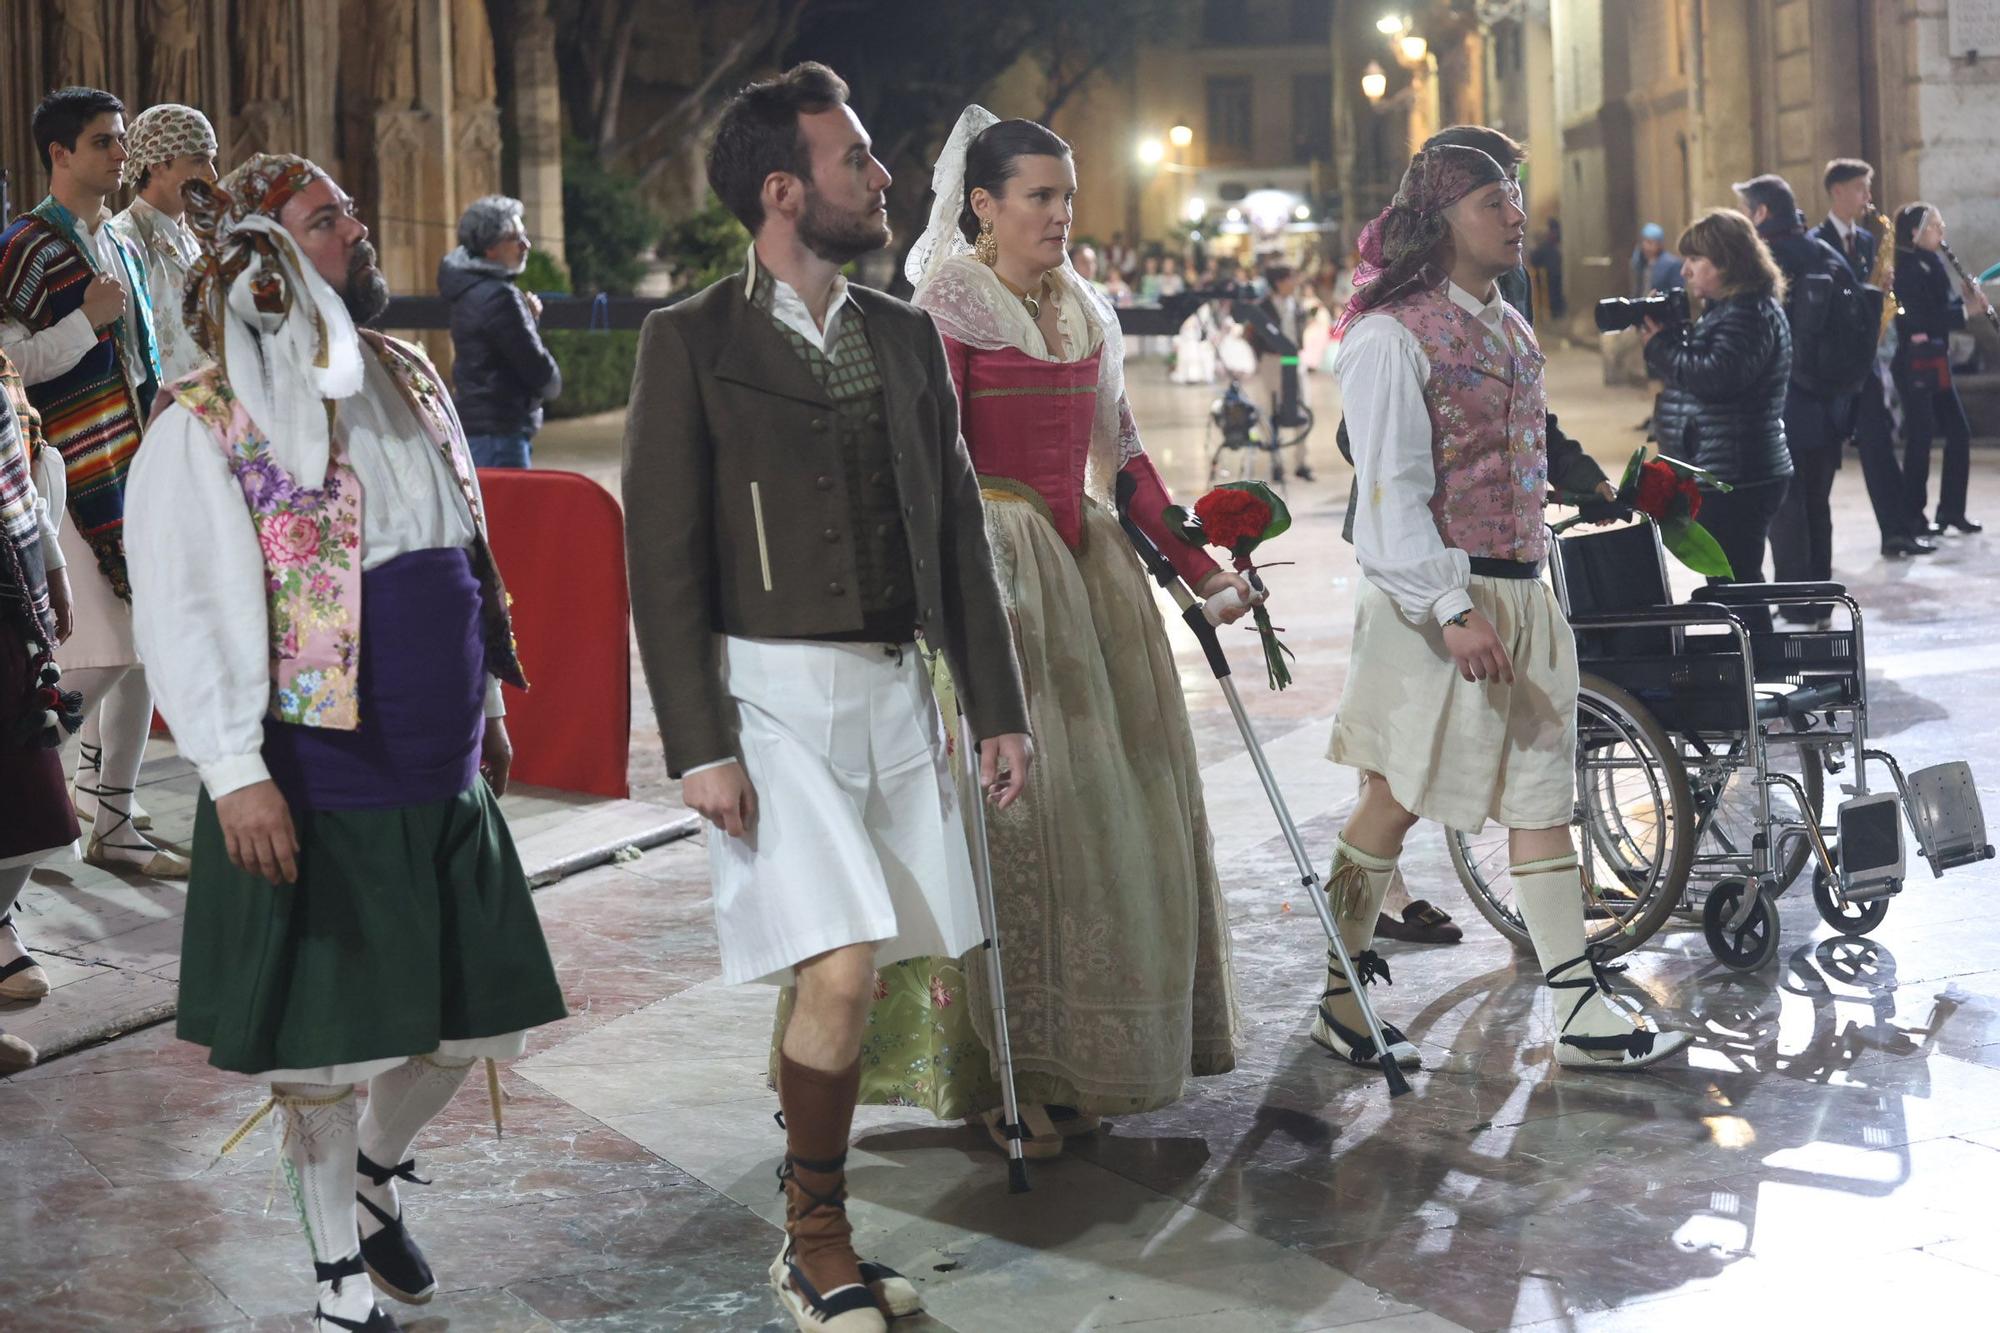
(475, 114)
(537, 117)
(413, 155)
(1729, 138)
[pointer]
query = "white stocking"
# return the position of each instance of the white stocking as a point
(401, 1101)
(1354, 890)
(1550, 894)
(117, 719)
(318, 1160)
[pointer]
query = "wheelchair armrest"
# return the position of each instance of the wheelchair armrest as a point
(1755, 593)
(1651, 617)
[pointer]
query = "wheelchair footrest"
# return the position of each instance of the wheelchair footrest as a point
(1946, 815)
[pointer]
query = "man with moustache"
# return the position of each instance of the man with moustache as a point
(327, 634)
(799, 509)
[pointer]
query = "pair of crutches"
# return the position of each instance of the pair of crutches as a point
(1309, 880)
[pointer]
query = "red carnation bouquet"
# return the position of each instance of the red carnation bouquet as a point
(1668, 492)
(1239, 516)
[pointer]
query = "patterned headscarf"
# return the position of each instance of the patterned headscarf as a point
(1399, 244)
(161, 134)
(253, 294)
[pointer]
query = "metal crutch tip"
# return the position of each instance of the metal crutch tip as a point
(1017, 1176)
(1398, 1085)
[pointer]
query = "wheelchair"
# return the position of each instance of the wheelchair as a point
(1705, 739)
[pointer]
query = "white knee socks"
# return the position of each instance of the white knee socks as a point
(1355, 889)
(1550, 894)
(318, 1161)
(400, 1103)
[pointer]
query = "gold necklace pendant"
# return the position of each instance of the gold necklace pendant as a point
(1029, 303)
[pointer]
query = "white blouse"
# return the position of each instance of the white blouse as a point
(170, 252)
(1383, 370)
(198, 603)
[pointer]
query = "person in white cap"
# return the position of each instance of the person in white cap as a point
(167, 146)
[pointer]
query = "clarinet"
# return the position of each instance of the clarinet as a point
(1966, 278)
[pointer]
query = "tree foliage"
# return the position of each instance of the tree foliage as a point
(608, 228)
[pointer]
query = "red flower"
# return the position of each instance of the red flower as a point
(1658, 485)
(1229, 517)
(1693, 494)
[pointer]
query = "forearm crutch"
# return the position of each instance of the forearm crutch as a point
(989, 921)
(1197, 620)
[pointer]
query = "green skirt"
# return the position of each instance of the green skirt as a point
(408, 927)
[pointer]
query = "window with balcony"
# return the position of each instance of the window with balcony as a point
(1312, 117)
(1312, 20)
(1229, 130)
(1225, 22)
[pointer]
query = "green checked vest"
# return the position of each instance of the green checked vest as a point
(848, 373)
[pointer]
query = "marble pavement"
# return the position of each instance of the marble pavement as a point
(1829, 1152)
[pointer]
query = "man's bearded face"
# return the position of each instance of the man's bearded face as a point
(366, 291)
(335, 242)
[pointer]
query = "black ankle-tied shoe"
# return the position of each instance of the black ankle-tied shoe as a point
(1358, 1048)
(378, 1321)
(394, 1262)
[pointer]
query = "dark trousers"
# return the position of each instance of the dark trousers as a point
(1740, 520)
(1875, 440)
(1927, 413)
(1802, 532)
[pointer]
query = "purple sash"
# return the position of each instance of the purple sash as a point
(423, 695)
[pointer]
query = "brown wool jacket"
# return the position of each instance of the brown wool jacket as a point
(736, 510)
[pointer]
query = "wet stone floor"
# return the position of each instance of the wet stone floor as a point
(1828, 1154)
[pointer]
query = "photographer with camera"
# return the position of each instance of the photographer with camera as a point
(1726, 376)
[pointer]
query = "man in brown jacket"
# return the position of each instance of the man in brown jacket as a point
(799, 508)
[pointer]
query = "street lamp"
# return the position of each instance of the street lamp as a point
(1374, 83)
(1152, 152)
(1303, 213)
(1180, 136)
(1413, 49)
(1390, 24)
(1196, 209)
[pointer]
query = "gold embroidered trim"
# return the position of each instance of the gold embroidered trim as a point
(1048, 392)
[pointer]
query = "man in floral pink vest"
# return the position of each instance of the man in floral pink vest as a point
(326, 634)
(1460, 705)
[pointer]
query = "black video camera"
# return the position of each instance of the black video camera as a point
(1617, 313)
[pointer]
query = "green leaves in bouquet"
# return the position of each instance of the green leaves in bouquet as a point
(1694, 546)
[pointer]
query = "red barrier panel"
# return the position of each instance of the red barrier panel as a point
(559, 539)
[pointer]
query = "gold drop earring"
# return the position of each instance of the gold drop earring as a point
(986, 249)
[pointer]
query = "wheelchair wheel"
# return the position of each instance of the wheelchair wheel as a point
(1636, 836)
(1751, 943)
(1855, 918)
(1725, 791)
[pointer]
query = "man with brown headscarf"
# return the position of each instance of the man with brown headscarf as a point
(327, 635)
(1460, 705)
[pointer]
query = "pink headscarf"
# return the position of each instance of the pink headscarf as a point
(1397, 244)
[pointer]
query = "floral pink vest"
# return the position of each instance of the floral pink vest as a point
(1489, 426)
(311, 541)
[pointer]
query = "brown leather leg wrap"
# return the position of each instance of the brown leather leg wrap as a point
(819, 1116)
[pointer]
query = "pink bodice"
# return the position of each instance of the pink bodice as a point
(1030, 420)
(1489, 426)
